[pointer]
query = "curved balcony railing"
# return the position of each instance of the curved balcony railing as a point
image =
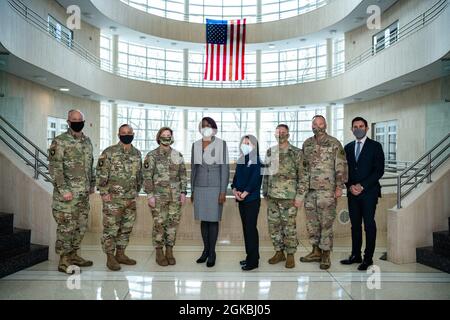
(403, 32)
(193, 11)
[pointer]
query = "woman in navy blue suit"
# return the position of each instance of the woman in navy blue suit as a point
(246, 189)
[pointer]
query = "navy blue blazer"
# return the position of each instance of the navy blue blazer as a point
(248, 178)
(369, 169)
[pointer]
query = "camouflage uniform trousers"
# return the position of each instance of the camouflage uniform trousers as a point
(282, 221)
(320, 208)
(71, 218)
(166, 218)
(119, 216)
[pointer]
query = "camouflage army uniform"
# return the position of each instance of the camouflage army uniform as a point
(326, 165)
(119, 173)
(71, 168)
(165, 179)
(282, 184)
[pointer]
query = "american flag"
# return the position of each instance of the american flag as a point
(225, 50)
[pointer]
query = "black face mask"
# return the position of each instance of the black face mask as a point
(126, 139)
(77, 126)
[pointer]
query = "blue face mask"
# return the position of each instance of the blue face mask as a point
(246, 149)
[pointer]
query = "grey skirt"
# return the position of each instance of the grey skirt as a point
(206, 204)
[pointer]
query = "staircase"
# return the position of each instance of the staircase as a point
(437, 256)
(16, 251)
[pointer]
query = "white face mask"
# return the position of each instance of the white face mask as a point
(246, 149)
(207, 132)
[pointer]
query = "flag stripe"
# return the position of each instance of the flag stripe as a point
(211, 76)
(224, 71)
(238, 40)
(231, 50)
(207, 62)
(244, 27)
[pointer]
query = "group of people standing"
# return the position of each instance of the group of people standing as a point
(313, 177)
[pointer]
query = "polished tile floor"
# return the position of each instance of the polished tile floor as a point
(188, 280)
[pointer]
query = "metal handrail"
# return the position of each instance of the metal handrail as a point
(403, 32)
(21, 149)
(424, 171)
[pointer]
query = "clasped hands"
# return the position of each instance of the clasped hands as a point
(357, 189)
(240, 196)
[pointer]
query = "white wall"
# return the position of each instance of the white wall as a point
(418, 128)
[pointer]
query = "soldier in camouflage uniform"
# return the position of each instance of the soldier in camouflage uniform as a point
(71, 168)
(326, 164)
(283, 186)
(119, 180)
(165, 182)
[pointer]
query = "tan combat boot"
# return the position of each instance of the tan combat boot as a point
(122, 258)
(112, 263)
(79, 261)
(314, 256)
(169, 256)
(160, 258)
(64, 264)
(278, 257)
(325, 263)
(290, 262)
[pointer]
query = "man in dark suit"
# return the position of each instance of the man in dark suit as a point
(365, 159)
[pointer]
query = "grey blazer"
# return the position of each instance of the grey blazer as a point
(210, 168)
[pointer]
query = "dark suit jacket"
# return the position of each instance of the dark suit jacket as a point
(368, 170)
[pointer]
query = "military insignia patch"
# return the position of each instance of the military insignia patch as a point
(146, 165)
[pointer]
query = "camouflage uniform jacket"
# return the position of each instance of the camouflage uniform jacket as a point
(284, 174)
(119, 171)
(325, 163)
(165, 174)
(71, 165)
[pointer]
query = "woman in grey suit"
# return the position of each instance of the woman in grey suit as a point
(210, 173)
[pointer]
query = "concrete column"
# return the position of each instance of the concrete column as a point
(184, 137)
(258, 68)
(186, 10)
(258, 124)
(258, 11)
(329, 57)
(115, 54)
(330, 121)
(114, 126)
(185, 65)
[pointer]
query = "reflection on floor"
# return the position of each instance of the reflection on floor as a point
(189, 280)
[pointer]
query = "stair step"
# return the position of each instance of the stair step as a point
(441, 243)
(428, 257)
(6, 223)
(35, 255)
(13, 244)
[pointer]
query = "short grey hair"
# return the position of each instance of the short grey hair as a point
(73, 111)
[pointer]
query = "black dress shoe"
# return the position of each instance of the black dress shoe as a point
(352, 260)
(365, 265)
(243, 262)
(203, 257)
(248, 268)
(211, 261)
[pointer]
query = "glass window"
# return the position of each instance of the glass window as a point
(55, 127)
(59, 31)
(386, 134)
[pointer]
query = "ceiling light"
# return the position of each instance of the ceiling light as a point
(173, 43)
(64, 89)
(142, 37)
(112, 101)
(303, 39)
(271, 46)
(113, 29)
(333, 31)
